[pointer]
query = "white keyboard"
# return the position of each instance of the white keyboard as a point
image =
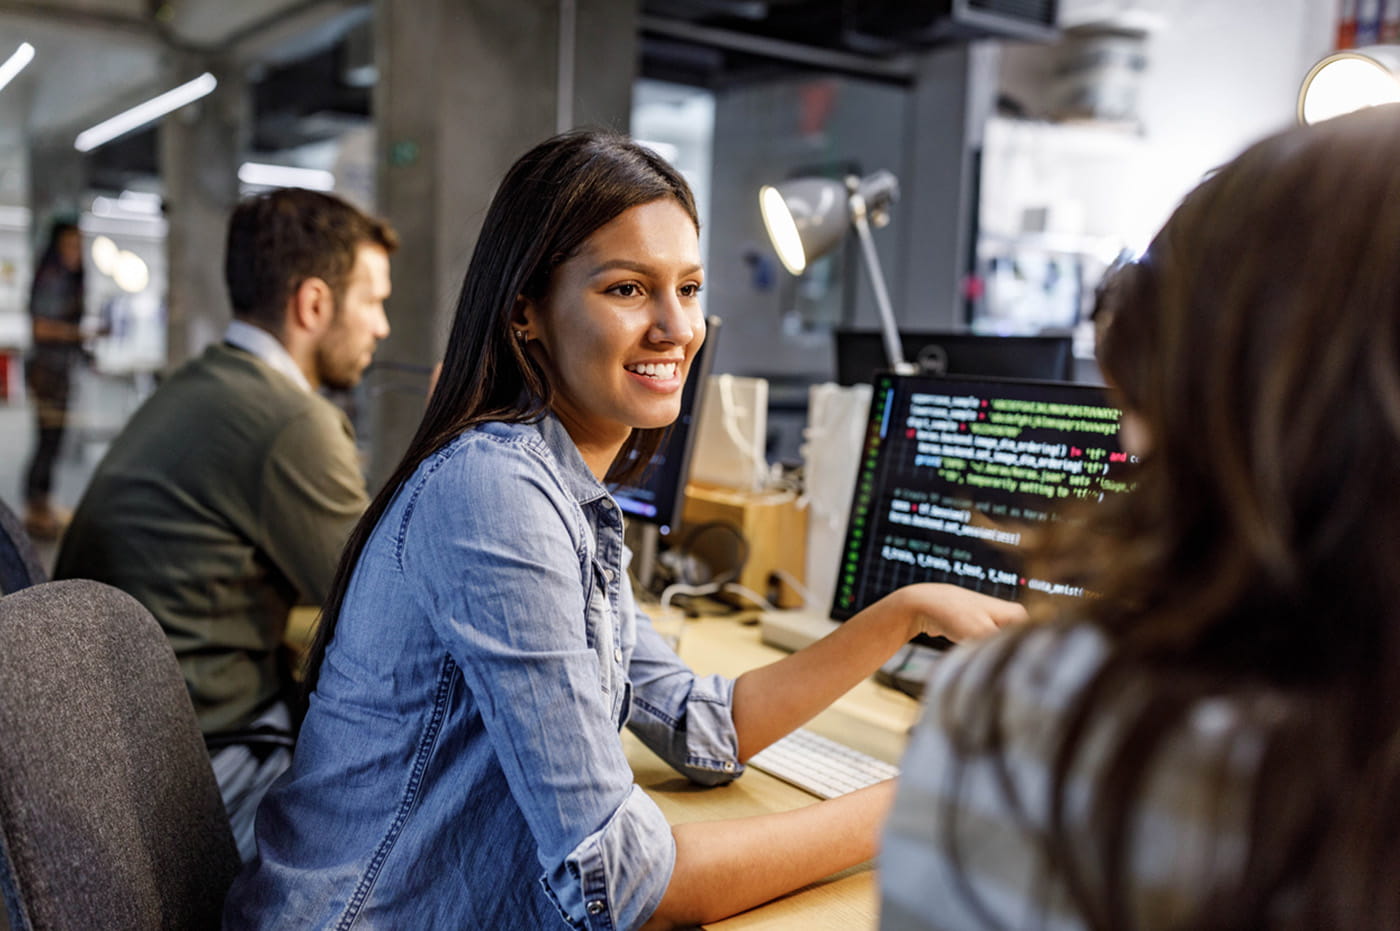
(820, 766)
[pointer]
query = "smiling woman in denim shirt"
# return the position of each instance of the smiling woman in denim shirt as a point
(459, 764)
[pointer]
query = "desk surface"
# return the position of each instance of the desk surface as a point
(870, 718)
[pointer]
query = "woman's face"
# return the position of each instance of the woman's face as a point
(70, 249)
(620, 324)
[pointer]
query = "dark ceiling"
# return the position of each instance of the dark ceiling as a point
(859, 35)
(704, 43)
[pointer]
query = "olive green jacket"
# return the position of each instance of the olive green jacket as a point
(225, 501)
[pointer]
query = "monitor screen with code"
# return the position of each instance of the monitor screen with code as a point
(954, 469)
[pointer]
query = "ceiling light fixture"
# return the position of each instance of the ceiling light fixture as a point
(144, 113)
(15, 63)
(261, 175)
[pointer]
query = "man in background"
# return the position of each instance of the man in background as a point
(228, 496)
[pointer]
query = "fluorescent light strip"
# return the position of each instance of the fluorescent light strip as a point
(262, 175)
(144, 113)
(15, 63)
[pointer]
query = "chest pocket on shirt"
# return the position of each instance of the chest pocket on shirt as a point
(603, 638)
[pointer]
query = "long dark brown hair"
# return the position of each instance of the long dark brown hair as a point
(51, 262)
(1258, 558)
(551, 200)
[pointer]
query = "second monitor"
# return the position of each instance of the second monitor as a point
(861, 353)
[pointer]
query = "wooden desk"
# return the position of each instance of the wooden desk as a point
(870, 718)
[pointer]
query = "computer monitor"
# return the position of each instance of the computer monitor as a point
(861, 353)
(952, 471)
(658, 496)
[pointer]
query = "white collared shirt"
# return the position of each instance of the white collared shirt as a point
(265, 346)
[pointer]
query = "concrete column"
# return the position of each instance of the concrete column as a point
(200, 149)
(954, 93)
(57, 184)
(464, 88)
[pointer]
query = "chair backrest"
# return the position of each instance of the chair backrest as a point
(19, 560)
(109, 813)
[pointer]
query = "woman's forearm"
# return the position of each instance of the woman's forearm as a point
(772, 700)
(725, 867)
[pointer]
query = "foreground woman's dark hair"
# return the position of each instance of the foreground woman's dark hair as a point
(1258, 343)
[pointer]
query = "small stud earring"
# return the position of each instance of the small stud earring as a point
(522, 336)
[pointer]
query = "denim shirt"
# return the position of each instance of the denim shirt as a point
(459, 765)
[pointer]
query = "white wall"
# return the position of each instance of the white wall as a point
(1220, 75)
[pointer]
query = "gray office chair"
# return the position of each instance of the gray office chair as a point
(109, 813)
(19, 560)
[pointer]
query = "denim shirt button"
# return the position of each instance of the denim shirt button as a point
(608, 575)
(728, 766)
(617, 655)
(596, 907)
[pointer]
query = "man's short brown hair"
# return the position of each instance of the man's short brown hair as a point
(278, 239)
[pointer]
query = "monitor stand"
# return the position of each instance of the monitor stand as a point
(909, 669)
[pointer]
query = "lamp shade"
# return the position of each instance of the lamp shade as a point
(1349, 80)
(805, 218)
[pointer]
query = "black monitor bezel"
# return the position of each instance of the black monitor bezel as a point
(911, 341)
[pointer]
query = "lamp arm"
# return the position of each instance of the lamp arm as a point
(893, 349)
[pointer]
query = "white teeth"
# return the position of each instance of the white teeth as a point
(654, 369)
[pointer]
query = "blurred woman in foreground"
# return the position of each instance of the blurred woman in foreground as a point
(1212, 743)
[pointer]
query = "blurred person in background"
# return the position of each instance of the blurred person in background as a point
(56, 314)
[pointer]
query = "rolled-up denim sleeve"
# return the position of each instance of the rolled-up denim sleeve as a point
(685, 719)
(498, 571)
(611, 877)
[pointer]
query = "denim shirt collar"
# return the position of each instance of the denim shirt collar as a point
(578, 478)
